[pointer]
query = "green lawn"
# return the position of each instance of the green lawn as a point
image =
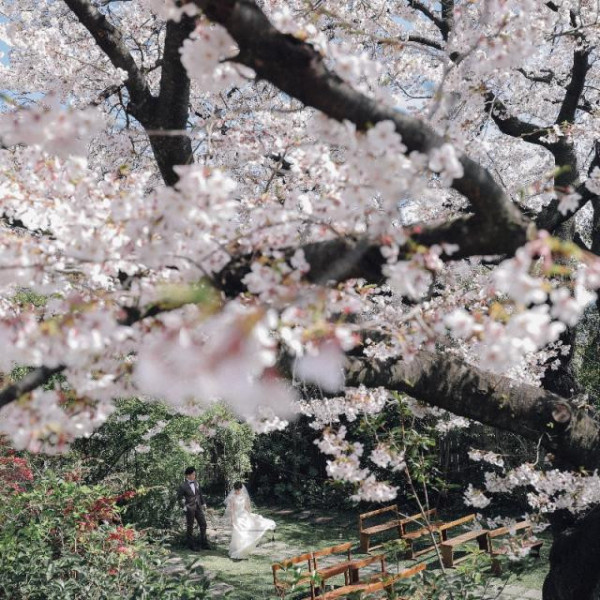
(298, 532)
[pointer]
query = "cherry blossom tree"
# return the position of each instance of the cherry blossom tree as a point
(246, 201)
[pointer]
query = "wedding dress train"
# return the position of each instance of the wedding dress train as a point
(246, 527)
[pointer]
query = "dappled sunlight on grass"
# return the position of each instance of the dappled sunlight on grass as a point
(298, 532)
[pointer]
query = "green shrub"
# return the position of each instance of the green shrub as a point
(143, 446)
(63, 540)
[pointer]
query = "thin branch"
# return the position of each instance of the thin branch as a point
(419, 39)
(424, 10)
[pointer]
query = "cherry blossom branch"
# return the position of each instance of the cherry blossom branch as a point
(424, 10)
(449, 383)
(33, 380)
(297, 69)
(39, 376)
(110, 41)
(168, 111)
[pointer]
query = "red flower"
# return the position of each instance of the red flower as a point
(128, 495)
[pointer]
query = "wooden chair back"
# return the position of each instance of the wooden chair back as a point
(380, 585)
(393, 508)
(285, 565)
(319, 554)
(523, 525)
(457, 522)
(418, 520)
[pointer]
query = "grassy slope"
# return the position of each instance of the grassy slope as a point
(299, 532)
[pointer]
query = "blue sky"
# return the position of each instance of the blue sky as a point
(4, 47)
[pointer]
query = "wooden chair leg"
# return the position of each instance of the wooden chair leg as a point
(447, 556)
(482, 540)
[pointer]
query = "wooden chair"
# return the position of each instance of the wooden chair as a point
(449, 545)
(416, 527)
(354, 569)
(301, 577)
(325, 571)
(371, 587)
(526, 540)
(394, 522)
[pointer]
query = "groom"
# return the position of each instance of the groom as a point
(191, 499)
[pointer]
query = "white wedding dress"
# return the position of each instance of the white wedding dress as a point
(246, 527)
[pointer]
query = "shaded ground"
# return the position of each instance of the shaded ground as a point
(300, 531)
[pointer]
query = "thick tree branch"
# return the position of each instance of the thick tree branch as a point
(447, 18)
(169, 111)
(110, 41)
(579, 71)
(173, 104)
(338, 260)
(513, 126)
(447, 382)
(564, 153)
(549, 217)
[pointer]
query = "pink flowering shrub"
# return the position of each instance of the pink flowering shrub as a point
(61, 538)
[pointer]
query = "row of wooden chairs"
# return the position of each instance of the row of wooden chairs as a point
(415, 527)
(310, 570)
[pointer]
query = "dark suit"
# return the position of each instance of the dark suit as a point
(192, 500)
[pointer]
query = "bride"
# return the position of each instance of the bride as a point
(246, 527)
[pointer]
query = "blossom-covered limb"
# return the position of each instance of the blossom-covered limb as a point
(465, 390)
(344, 258)
(33, 380)
(110, 40)
(299, 70)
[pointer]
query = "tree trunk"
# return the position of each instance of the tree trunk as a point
(574, 559)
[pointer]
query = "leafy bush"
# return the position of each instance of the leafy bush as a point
(287, 468)
(145, 447)
(63, 540)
